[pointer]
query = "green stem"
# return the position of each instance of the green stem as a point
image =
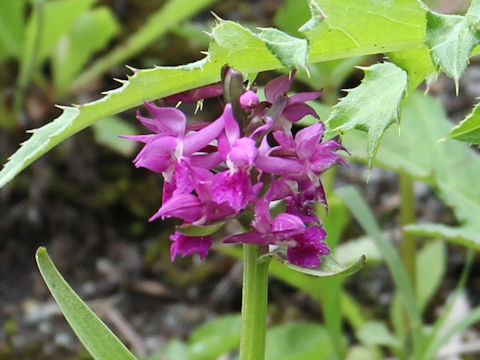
(407, 216)
(254, 304)
(408, 246)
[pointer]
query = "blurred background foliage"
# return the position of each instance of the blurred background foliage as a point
(87, 203)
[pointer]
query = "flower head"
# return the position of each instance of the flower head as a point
(217, 171)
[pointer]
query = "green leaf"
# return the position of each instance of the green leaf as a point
(301, 341)
(11, 26)
(417, 63)
(372, 106)
(173, 350)
(358, 352)
(195, 230)
(469, 129)
(47, 24)
(449, 166)
(291, 51)
(90, 33)
(168, 16)
(328, 268)
(241, 49)
(364, 216)
(108, 130)
(100, 342)
(377, 333)
(346, 252)
(451, 39)
(291, 15)
(463, 235)
(431, 264)
(345, 28)
(215, 338)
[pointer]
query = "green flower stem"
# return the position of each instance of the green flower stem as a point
(254, 303)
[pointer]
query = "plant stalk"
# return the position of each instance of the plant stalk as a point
(254, 304)
(407, 216)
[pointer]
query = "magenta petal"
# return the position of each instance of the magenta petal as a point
(249, 99)
(297, 111)
(307, 140)
(252, 237)
(243, 152)
(284, 140)
(198, 140)
(183, 206)
(234, 188)
(206, 161)
(278, 166)
(286, 225)
(304, 257)
(187, 245)
(232, 130)
(310, 246)
(141, 138)
(194, 95)
(305, 96)
(278, 87)
(168, 120)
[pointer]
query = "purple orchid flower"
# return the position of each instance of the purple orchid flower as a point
(214, 171)
(187, 245)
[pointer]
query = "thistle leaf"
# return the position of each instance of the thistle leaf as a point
(372, 106)
(469, 129)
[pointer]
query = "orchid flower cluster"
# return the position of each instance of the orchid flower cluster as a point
(243, 161)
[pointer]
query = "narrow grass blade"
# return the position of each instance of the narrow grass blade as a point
(100, 342)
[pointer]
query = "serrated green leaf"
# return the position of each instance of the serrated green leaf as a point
(215, 338)
(90, 33)
(344, 28)
(372, 106)
(451, 39)
(291, 51)
(234, 45)
(298, 341)
(100, 342)
(195, 230)
(449, 166)
(11, 26)
(469, 129)
(328, 268)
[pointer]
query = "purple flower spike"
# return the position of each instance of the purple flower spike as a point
(215, 171)
(187, 245)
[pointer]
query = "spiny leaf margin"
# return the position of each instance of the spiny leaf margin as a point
(231, 44)
(372, 106)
